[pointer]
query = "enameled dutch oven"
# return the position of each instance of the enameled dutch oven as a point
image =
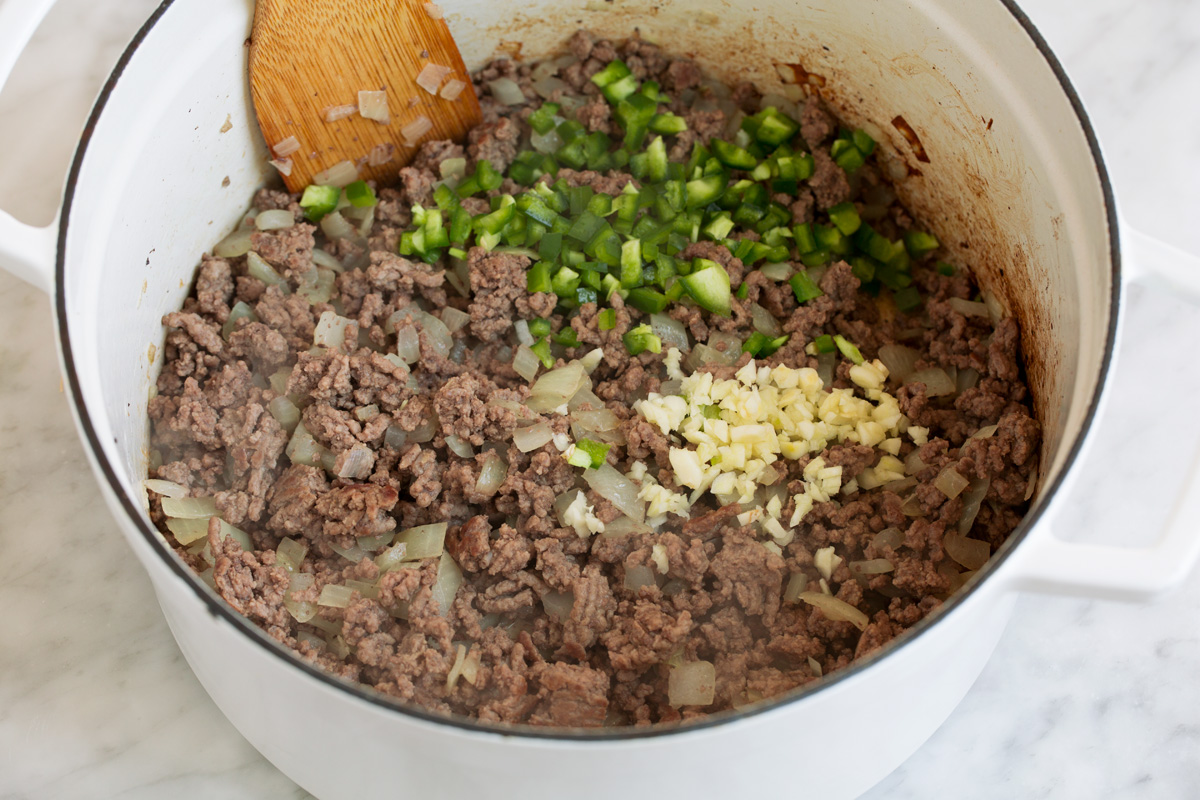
(995, 150)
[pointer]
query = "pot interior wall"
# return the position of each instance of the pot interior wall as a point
(1003, 172)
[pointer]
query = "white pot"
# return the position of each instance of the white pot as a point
(1014, 181)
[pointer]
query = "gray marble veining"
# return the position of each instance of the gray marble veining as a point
(1081, 700)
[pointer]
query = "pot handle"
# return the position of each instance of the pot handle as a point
(1053, 566)
(26, 251)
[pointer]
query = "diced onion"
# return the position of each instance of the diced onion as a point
(558, 605)
(546, 87)
(639, 576)
(492, 474)
(290, 554)
(779, 271)
(286, 147)
(702, 355)
(874, 566)
(815, 666)
(279, 380)
(901, 485)
(425, 431)
(436, 332)
(431, 77)
(889, 537)
(968, 308)
(913, 463)
(521, 328)
(336, 226)
(392, 558)
(901, 361)
(331, 330)
(368, 590)
(971, 553)
(764, 321)
(374, 105)
(302, 448)
(671, 332)
(532, 437)
(453, 88)
(285, 412)
(591, 359)
(556, 387)
(187, 531)
(692, 684)
(326, 261)
(423, 541)
(459, 447)
(449, 579)
(506, 91)
(320, 289)
(456, 670)
(354, 553)
(797, 584)
(165, 488)
(189, 507)
(256, 267)
(453, 319)
(986, 432)
(526, 363)
(624, 526)
(598, 421)
(335, 596)
(369, 544)
(453, 169)
(911, 507)
(413, 131)
(356, 463)
(301, 610)
(548, 142)
(967, 379)
(618, 490)
(334, 113)
(283, 165)
(1031, 484)
(937, 381)
(341, 175)
(834, 609)
(235, 244)
(971, 502)
(950, 483)
(408, 345)
(470, 667)
(435, 12)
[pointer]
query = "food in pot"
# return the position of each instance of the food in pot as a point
(649, 402)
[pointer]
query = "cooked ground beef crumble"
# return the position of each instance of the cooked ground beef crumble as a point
(542, 629)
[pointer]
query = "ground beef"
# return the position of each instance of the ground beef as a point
(289, 250)
(554, 627)
(495, 142)
(498, 293)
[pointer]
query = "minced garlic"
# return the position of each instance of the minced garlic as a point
(581, 516)
(733, 430)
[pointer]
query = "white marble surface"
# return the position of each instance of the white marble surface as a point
(1082, 699)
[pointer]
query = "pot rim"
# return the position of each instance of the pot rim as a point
(222, 611)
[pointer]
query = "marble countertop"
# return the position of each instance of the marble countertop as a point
(1082, 698)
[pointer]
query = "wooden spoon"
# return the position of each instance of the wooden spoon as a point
(309, 59)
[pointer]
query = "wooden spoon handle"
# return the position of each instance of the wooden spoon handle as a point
(308, 56)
